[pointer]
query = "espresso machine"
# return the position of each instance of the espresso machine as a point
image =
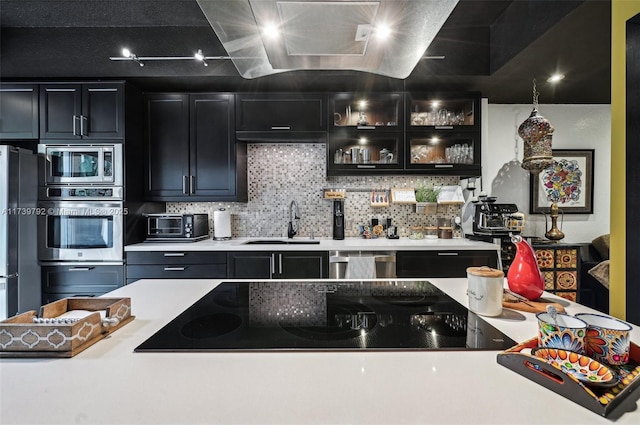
(493, 219)
(338, 219)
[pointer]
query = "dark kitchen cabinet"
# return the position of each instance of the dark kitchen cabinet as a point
(449, 263)
(365, 134)
(444, 153)
(457, 112)
(79, 280)
(18, 111)
(191, 151)
(284, 117)
(82, 111)
(278, 265)
(175, 265)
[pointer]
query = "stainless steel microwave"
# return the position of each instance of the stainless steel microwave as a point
(177, 227)
(92, 164)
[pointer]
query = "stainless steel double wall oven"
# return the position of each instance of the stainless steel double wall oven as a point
(81, 203)
(81, 218)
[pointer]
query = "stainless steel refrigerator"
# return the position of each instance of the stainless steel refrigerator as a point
(19, 271)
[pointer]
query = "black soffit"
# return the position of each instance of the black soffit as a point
(495, 47)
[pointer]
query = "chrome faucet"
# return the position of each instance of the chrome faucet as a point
(294, 214)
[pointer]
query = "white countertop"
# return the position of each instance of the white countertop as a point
(326, 244)
(110, 384)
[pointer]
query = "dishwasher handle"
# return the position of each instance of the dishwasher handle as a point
(377, 259)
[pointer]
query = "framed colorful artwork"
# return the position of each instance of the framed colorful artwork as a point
(568, 181)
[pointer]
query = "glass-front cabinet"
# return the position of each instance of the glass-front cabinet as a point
(366, 111)
(359, 152)
(444, 152)
(443, 111)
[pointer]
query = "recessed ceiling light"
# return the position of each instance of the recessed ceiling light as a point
(271, 31)
(383, 32)
(555, 78)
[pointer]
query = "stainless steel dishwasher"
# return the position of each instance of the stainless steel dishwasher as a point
(385, 262)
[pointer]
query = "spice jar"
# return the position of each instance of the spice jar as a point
(416, 232)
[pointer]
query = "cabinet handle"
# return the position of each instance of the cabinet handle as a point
(366, 166)
(281, 127)
(82, 120)
(184, 185)
(444, 166)
(192, 184)
(280, 263)
(174, 254)
(454, 254)
(79, 269)
(174, 269)
(273, 264)
(75, 117)
(366, 127)
(444, 127)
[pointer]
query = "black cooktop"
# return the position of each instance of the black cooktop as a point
(326, 315)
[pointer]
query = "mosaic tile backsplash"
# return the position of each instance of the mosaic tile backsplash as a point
(281, 173)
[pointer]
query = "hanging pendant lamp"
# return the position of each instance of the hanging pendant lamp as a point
(536, 131)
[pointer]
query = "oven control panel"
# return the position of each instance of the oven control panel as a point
(78, 193)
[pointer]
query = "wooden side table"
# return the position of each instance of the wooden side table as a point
(560, 267)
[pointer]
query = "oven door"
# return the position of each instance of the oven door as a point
(81, 164)
(70, 231)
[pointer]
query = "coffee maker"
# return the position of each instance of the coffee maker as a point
(338, 219)
(496, 219)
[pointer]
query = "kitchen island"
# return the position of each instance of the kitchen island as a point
(109, 383)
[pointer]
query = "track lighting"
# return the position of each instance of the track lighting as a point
(199, 56)
(127, 55)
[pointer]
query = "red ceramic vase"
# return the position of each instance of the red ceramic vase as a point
(524, 277)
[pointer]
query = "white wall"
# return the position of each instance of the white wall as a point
(576, 127)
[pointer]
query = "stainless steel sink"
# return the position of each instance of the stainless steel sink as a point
(281, 242)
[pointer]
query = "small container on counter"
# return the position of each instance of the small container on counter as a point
(445, 232)
(431, 232)
(416, 232)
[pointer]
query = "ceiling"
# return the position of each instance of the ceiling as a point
(496, 47)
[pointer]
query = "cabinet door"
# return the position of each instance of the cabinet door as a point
(426, 264)
(60, 111)
(443, 111)
(18, 111)
(212, 168)
(102, 111)
(250, 265)
(351, 152)
(367, 111)
(79, 280)
(167, 140)
(444, 153)
(281, 112)
(303, 265)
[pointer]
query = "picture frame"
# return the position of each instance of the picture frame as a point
(570, 166)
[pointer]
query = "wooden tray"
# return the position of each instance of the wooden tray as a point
(21, 337)
(538, 306)
(599, 400)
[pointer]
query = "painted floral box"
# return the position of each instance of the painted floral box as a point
(63, 328)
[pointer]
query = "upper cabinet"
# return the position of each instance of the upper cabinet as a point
(284, 117)
(365, 133)
(18, 111)
(191, 152)
(82, 111)
(443, 111)
(366, 111)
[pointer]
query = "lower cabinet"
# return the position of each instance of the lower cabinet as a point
(79, 281)
(175, 265)
(278, 265)
(425, 264)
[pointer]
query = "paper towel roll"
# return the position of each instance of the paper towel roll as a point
(221, 224)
